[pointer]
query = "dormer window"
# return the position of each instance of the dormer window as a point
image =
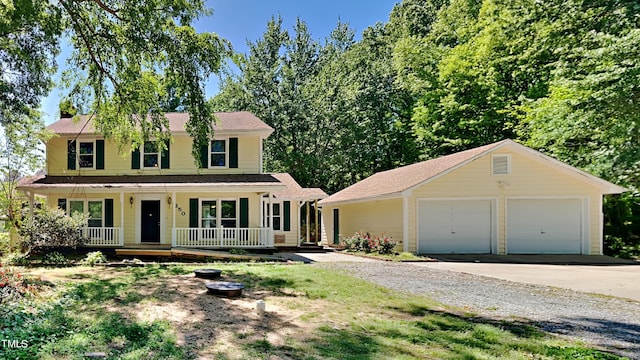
(86, 155)
(501, 164)
(150, 155)
(218, 153)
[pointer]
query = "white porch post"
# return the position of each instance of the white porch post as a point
(405, 223)
(31, 201)
(262, 222)
(299, 219)
(270, 211)
(122, 218)
(315, 207)
(173, 214)
(308, 217)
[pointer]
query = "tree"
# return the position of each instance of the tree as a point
(337, 114)
(22, 154)
(125, 55)
(560, 76)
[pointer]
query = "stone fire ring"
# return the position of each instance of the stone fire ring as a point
(223, 288)
(208, 273)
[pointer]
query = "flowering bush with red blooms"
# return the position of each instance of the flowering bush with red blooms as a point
(386, 245)
(13, 286)
(366, 242)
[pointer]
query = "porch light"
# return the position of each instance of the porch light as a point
(169, 200)
(131, 201)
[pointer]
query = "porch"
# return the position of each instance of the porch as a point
(203, 238)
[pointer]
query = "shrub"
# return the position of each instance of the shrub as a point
(55, 258)
(95, 257)
(370, 243)
(356, 242)
(238, 251)
(16, 259)
(4, 243)
(52, 228)
(13, 286)
(386, 245)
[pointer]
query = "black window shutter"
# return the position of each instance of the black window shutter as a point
(204, 156)
(233, 153)
(71, 155)
(164, 156)
(244, 212)
(100, 154)
(62, 204)
(193, 213)
(287, 215)
(336, 226)
(135, 159)
(108, 212)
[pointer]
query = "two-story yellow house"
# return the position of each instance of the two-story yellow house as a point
(155, 196)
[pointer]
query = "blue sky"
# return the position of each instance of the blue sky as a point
(242, 20)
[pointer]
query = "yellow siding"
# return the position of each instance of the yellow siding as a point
(181, 160)
(291, 237)
(327, 224)
(180, 203)
(528, 178)
(382, 217)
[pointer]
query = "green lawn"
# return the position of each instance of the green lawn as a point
(312, 313)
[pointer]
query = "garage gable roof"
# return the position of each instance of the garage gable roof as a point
(392, 183)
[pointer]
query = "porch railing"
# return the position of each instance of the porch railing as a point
(223, 237)
(102, 236)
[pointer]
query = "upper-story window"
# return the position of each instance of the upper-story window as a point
(218, 153)
(86, 154)
(150, 155)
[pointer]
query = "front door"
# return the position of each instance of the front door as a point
(150, 221)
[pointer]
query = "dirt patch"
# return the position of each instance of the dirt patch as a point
(208, 325)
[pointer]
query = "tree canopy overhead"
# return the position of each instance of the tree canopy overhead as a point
(126, 54)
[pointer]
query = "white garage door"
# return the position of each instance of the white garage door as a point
(544, 226)
(454, 226)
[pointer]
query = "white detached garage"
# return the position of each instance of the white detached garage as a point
(502, 198)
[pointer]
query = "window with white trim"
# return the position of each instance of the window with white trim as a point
(218, 153)
(150, 155)
(229, 213)
(277, 216)
(222, 212)
(86, 154)
(208, 213)
(95, 209)
(501, 165)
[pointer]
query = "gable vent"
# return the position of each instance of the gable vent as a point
(501, 165)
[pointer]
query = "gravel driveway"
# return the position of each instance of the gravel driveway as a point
(607, 322)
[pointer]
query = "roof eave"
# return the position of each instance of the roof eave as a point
(388, 196)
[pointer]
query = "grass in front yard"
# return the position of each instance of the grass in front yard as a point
(312, 313)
